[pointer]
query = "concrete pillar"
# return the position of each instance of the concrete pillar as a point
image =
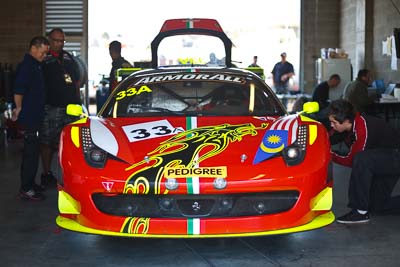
(359, 60)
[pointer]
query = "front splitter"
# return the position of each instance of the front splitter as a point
(318, 222)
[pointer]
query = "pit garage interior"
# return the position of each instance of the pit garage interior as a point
(30, 237)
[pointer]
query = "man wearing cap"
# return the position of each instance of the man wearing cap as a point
(281, 73)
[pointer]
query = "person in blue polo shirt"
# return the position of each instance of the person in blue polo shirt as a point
(281, 73)
(29, 98)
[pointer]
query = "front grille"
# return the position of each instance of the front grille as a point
(195, 206)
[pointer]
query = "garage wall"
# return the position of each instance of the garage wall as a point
(20, 20)
(320, 28)
(364, 25)
(386, 17)
(356, 34)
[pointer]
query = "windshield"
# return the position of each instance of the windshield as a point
(192, 94)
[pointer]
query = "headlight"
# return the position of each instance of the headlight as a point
(295, 153)
(97, 155)
(94, 156)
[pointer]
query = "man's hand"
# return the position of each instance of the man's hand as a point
(15, 114)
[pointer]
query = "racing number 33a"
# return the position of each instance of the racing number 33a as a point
(132, 92)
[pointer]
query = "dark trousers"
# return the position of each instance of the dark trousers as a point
(374, 174)
(30, 159)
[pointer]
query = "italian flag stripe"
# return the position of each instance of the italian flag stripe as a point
(192, 182)
(193, 185)
(193, 226)
(189, 24)
(192, 70)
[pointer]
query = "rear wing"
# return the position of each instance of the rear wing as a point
(174, 27)
(196, 26)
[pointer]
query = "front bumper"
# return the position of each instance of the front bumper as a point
(317, 215)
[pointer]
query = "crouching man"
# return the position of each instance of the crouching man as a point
(373, 155)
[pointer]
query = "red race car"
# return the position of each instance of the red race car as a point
(194, 150)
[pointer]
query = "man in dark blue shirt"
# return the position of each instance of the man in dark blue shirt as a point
(321, 92)
(62, 86)
(281, 73)
(118, 62)
(29, 98)
(321, 95)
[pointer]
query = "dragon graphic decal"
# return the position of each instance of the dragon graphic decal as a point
(184, 150)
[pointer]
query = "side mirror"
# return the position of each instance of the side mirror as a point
(310, 107)
(75, 110)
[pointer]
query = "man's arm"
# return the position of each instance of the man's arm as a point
(289, 73)
(287, 76)
(317, 95)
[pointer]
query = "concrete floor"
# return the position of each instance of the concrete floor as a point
(30, 237)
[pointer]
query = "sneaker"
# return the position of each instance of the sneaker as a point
(39, 188)
(48, 179)
(31, 195)
(353, 217)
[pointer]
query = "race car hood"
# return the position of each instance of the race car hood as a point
(217, 138)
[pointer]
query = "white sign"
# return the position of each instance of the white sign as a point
(148, 130)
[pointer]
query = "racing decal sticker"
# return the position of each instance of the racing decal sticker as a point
(141, 186)
(289, 124)
(281, 134)
(149, 130)
(312, 133)
(185, 150)
(132, 92)
(103, 137)
(273, 142)
(193, 182)
(135, 225)
(108, 186)
(189, 24)
(75, 136)
(192, 76)
(201, 171)
(193, 226)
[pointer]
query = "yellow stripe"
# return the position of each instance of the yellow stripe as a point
(312, 133)
(305, 118)
(271, 150)
(83, 120)
(75, 135)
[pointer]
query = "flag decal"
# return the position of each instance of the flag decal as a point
(274, 141)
